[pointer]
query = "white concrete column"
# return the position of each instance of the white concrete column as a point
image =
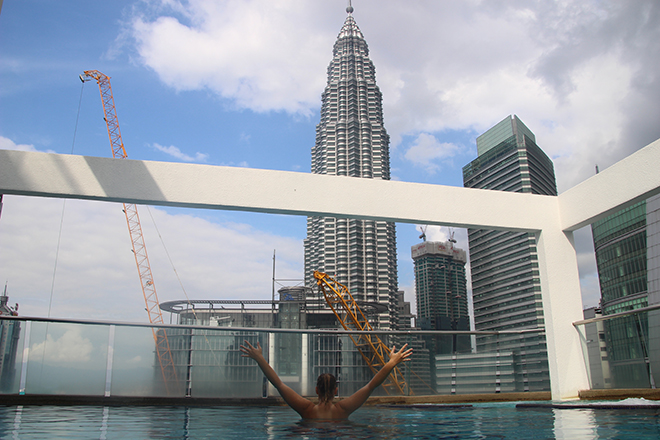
(562, 305)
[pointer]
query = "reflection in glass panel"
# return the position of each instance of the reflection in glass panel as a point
(213, 366)
(72, 359)
(622, 351)
(135, 370)
(67, 359)
(12, 336)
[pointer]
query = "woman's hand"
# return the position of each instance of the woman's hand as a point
(250, 351)
(400, 356)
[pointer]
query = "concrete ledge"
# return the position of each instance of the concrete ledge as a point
(459, 398)
(585, 395)
(618, 394)
(50, 399)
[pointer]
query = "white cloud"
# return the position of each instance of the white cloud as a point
(96, 277)
(263, 55)
(8, 144)
(177, 153)
(426, 152)
(71, 347)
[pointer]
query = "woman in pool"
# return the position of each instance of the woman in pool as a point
(326, 387)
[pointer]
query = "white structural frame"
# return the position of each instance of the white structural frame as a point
(552, 218)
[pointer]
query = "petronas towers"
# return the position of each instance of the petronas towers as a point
(351, 141)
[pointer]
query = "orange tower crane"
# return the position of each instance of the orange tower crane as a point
(350, 316)
(135, 230)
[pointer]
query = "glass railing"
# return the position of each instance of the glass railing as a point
(622, 350)
(91, 358)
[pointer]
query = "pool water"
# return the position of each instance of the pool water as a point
(482, 421)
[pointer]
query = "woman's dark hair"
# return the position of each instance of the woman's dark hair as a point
(327, 384)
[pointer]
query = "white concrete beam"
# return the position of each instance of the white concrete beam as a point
(635, 178)
(282, 192)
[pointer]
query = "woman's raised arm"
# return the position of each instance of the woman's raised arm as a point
(293, 399)
(355, 401)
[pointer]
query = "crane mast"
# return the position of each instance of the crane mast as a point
(350, 316)
(163, 351)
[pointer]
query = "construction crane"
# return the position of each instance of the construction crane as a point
(422, 229)
(350, 316)
(135, 230)
(452, 240)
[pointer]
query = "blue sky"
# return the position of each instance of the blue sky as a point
(239, 84)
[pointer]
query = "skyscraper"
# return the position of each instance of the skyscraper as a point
(506, 287)
(627, 246)
(440, 286)
(351, 141)
(441, 294)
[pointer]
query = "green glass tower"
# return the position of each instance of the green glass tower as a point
(505, 276)
(620, 243)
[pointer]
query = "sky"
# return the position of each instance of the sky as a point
(239, 84)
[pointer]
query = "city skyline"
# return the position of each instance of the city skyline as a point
(189, 87)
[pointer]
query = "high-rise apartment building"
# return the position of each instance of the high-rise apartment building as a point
(627, 246)
(506, 287)
(351, 141)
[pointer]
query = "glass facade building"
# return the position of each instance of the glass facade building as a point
(627, 247)
(620, 245)
(506, 287)
(351, 141)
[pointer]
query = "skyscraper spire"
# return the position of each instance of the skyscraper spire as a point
(351, 141)
(349, 8)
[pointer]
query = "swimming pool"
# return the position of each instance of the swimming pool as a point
(481, 421)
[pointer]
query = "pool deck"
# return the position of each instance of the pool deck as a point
(585, 396)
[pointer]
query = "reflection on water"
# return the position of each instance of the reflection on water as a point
(104, 423)
(575, 423)
(17, 421)
(487, 421)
